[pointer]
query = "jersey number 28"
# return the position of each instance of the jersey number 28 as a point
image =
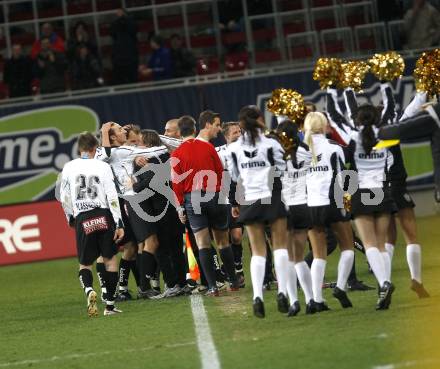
(86, 187)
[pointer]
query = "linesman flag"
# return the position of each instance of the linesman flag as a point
(192, 262)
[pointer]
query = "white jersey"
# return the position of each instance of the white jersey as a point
(321, 176)
(294, 180)
(223, 154)
(170, 143)
(121, 160)
(372, 167)
(257, 166)
(87, 184)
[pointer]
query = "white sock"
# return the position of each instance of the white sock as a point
(318, 271)
(390, 249)
(258, 268)
(414, 258)
(305, 279)
(291, 282)
(280, 261)
(387, 262)
(344, 268)
(377, 264)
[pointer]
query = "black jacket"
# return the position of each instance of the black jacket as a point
(18, 76)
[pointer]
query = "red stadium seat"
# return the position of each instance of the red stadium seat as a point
(4, 91)
(202, 41)
(207, 65)
(267, 56)
(234, 62)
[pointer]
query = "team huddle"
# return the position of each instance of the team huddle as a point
(316, 181)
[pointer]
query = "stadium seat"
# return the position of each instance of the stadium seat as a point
(207, 65)
(235, 62)
(267, 56)
(4, 91)
(75, 8)
(202, 41)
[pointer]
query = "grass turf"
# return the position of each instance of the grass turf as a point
(45, 324)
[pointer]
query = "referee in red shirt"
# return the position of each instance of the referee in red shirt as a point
(196, 178)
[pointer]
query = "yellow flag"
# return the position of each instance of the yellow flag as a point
(383, 144)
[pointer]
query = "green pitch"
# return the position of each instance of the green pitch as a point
(44, 324)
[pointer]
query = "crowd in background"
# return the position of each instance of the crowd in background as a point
(55, 65)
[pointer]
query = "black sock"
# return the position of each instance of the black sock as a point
(358, 245)
(352, 276)
(228, 262)
(219, 275)
(208, 266)
(86, 280)
(148, 264)
(237, 250)
(111, 280)
(124, 272)
(203, 280)
(100, 271)
(134, 270)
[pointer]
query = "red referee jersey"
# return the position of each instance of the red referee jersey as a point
(195, 158)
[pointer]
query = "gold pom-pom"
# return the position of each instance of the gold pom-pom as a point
(353, 74)
(289, 103)
(427, 73)
(327, 72)
(387, 66)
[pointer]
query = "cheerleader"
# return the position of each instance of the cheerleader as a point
(259, 162)
(327, 160)
(298, 221)
(372, 202)
(404, 205)
(232, 132)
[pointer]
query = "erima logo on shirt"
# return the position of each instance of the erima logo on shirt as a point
(250, 154)
(300, 164)
(372, 155)
(253, 164)
(319, 157)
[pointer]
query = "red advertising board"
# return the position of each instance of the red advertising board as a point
(35, 231)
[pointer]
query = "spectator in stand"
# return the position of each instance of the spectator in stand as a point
(159, 65)
(17, 73)
(79, 38)
(125, 55)
(56, 41)
(182, 59)
(85, 70)
(422, 25)
(230, 15)
(50, 68)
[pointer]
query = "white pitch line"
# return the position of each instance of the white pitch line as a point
(406, 364)
(90, 354)
(205, 343)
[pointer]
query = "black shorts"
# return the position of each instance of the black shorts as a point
(401, 198)
(128, 231)
(324, 216)
(94, 236)
(209, 214)
(233, 222)
(299, 217)
(358, 206)
(264, 211)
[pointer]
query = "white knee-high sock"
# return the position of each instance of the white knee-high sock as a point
(390, 249)
(258, 268)
(387, 263)
(344, 268)
(305, 279)
(291, 282)
(377, 264)
(318, 271)
(414, 258)
(281, 260)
